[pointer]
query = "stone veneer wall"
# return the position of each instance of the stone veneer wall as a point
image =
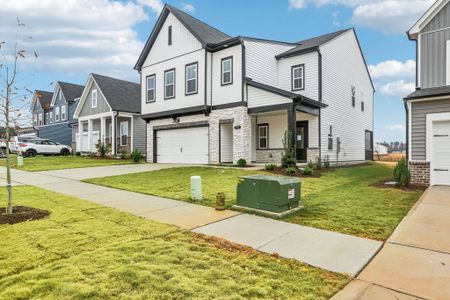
(312, 154)
(242, 132)
(420, 172)
(269, 156)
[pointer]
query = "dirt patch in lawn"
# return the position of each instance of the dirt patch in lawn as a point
(316, 172)
(22, 214)
(410, 188)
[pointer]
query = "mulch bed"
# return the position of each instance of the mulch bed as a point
(316, 173)
(22, 214)
(412, 187)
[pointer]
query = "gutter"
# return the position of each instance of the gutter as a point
(405, 103)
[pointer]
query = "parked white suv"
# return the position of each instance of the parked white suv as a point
(41, 146)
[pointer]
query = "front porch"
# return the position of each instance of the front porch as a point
(114, 130)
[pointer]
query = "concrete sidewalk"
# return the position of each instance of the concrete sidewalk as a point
(325, 249)
(415, 261)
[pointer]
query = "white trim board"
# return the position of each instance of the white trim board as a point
(429, 133)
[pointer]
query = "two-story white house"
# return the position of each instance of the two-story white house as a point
(428, 108)
(208, 97)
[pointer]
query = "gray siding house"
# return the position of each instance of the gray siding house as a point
(428, 108)
(53, 118)
(108, 113)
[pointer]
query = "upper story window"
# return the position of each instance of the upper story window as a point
(59, 96)
(51, 117)
(169, 35)
(169, 84)
(191, 79)
(56, 114)
(151, 88)
(227, 70)
(263, 135)
(63, 113)
(94, 99)
(353, 91)
(298, 77)
(40, 119)
(34, 120)
(46, 118)
(362, 106)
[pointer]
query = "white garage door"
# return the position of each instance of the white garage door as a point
(184, 145)
(440, 163)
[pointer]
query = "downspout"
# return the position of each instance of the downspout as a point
(114, 151)
(243, 73)
(206, 82)
(405, 103)
(319, 54)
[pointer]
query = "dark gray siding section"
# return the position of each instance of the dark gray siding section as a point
(60, 133)
(419, 111)
(72, 108)
(102, 105)
(139, 134)
(433, 42)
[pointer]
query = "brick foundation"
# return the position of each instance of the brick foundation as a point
(420, 172)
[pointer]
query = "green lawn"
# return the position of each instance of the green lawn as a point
(86, 251)
(342, 201)
(46, 163)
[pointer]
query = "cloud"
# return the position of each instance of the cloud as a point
(395, 127)
(393, 69)
(397, 88)
(79, 36)
(187, 7)
(389, 16)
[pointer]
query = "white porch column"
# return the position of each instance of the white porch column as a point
(113, 134)
(90, 135)
(80, 136)
(102, 130)
(131, 134)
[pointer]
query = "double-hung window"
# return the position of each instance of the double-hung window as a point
(57, 114)
(151, 88)
(46, 118)
(353, 90)
(169, 35)
(298, 77)
(63, 113)
(124, 133)
(94, 99)
(40, 119)
(169, 84)
(263, 136)
(191, 79)
(51, 116)
(227, 70)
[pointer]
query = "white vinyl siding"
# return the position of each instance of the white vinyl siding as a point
(343, 66)
(169, 84)
(94, 99)
(258, 97)
(191, 79)
(151, 88)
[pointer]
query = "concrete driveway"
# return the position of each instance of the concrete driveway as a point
(415, 261)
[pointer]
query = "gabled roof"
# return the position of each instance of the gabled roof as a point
(44, 98)
(413, 32)
(305, 100)
(71, 91)
(202, 31)
(310, 44)
(120, 94)
(429, 92)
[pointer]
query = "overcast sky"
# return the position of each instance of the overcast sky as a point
(76, 37)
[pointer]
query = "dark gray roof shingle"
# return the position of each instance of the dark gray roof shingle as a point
(121, 95)
(71, 91)
(429, 92)
(311, 44)
(45, 98)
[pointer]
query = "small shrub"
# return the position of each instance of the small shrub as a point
(319, 163)
(290, 171)
(289, 158)
(123, 154)
(308, 171)
(242, 163)
(136, 155)
(401, 173)
(326, 162)
(102, 149)
(270, 167)
(310, 164)
(78, 153)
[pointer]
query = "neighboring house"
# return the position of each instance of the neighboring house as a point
(211, 98)
(109, 113)
(381, 149)
(53, 119)
(428, 108)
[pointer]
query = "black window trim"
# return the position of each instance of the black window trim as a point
(231, 71)
(154, 88)
(169, 35)
(186, 80)
(267, 136)
(363, 106)
(303, 77)
(174, 78)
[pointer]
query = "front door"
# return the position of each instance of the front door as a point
(301, 139)
(369, 144)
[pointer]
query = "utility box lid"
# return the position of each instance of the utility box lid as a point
(280, 179)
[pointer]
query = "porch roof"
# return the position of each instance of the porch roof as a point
(429, 92)
(295, 97)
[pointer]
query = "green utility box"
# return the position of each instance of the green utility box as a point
(276, 194)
